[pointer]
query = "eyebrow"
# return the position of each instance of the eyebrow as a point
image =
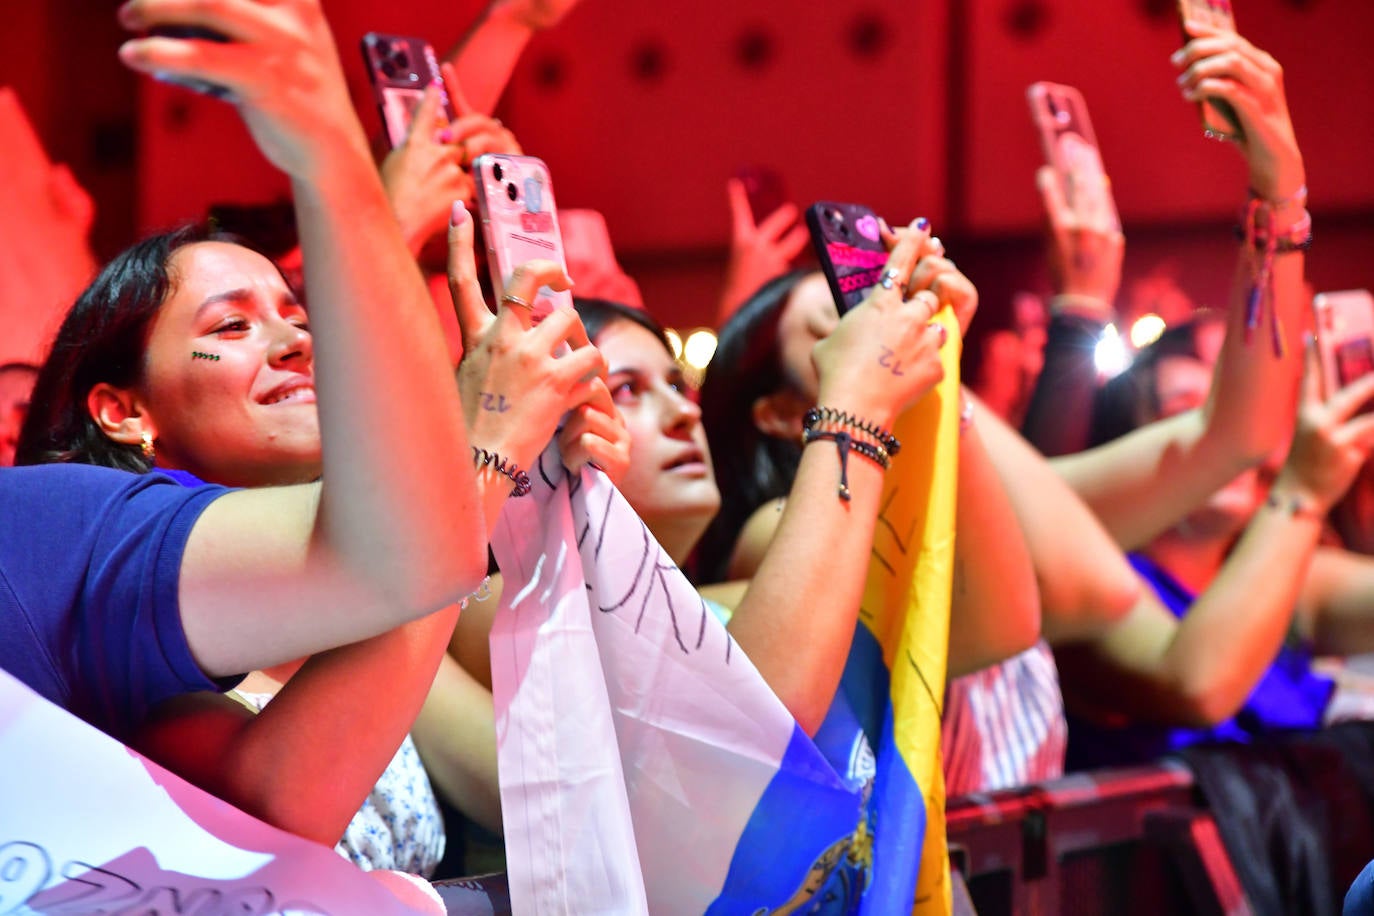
(241, 295)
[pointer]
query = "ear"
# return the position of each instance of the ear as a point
(119, 413)
(780, 414)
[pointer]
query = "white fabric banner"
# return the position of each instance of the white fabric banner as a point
(89, 826)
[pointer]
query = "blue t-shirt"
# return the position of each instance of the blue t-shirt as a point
(90, 561)
(1288, 696)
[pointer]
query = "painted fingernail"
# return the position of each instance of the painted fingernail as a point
(443, 136)
(458, 215)
(922, 224)
(1176, 58)
(936, 244)
(940, 332)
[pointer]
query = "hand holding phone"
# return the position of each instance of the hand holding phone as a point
(400, 67)
(848, 239)
(1070, 147)
(520, 223)
(1219, 119)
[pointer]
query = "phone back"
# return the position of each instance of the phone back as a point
(1345, 336)
(848, 240)
(519, 221)
(400, 68)
(1214, 13)
(1218, 116)
(1070, 147)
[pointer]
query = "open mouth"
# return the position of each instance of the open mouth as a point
(302, 391)
(693, 458)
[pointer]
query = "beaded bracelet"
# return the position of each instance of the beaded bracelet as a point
(507, 469)
(844, 442)
(818, 415)
(1294, 506)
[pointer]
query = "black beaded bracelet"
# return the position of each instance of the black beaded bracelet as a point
(507, 469)
(818, 415)
(844, 442)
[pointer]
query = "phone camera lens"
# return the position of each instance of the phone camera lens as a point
(512, 191)
(497, 172)
(403, 60)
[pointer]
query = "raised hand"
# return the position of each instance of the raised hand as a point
(424, 175)
(937, 273)
(884, 353)
(1085, 256)
(514, 382)
(1223, 65)
(595, 434)
(758, 251)
(1330, 443)
(279, 67)
(535, 14)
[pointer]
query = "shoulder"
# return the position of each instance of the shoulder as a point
(754, 538)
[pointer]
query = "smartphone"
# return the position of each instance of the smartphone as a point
(204, 87)
(519, 222)
(849, 242)
(1066, 134)
(400, 67)
(1345, 336)
(765, 189)
(1218, 117)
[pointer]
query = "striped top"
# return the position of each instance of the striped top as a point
(1004, 726)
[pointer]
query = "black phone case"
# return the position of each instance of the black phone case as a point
(848, 240)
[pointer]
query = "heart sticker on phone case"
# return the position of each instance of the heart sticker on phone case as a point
(868, 227)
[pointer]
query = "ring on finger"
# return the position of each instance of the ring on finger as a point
(890, 278)
(516, 300)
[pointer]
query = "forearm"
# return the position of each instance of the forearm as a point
(1059, 418)
(486, 57)
(1254, 395)
(456, 736)
(401, 505)
(307, 762)
(796, 620)
(1231, 634)
(1084, 581)
(995, 606)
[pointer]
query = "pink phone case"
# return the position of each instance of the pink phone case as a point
(1066, 136)
(519, 222)
(1345, 336)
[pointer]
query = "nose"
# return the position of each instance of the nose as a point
(291, 343)
(680, 412)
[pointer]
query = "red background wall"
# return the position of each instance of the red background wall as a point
(642, 111)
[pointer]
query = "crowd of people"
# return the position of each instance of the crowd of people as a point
(242, 533)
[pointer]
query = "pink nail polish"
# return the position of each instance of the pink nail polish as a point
(443, 136)
(458, 215)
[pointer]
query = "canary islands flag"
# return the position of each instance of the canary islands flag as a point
(645, 765)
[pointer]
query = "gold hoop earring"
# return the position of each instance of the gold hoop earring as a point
(148, 451)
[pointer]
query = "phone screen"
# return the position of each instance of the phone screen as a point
(848, 240)
(1354, 360)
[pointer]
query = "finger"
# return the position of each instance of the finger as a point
(1241, 99)
(1344, 403)
(957, 290)
(1207, 41)
(239, 22)
(791, 244)
(926, 270)
(461, 105)
(1358, 433)
(1228, 65)
(1057, 209)
(741, 214)
(231, 66)
(902, 259)
(470, 125)
(428, 117)
(527, 279)
(777, 222)
(926, 304)
(463, 285)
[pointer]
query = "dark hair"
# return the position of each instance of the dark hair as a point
(103, 338)
(599, 314)
(1129, 399)
(751, 467)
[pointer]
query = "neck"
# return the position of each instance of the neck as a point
(678, 536)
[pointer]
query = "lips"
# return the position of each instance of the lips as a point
(298, 389)
(686, 457)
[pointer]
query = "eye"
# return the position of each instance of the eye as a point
(232, 326)
(625, 390)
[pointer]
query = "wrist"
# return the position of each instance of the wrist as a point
(1292, 498)
(1086, 305)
